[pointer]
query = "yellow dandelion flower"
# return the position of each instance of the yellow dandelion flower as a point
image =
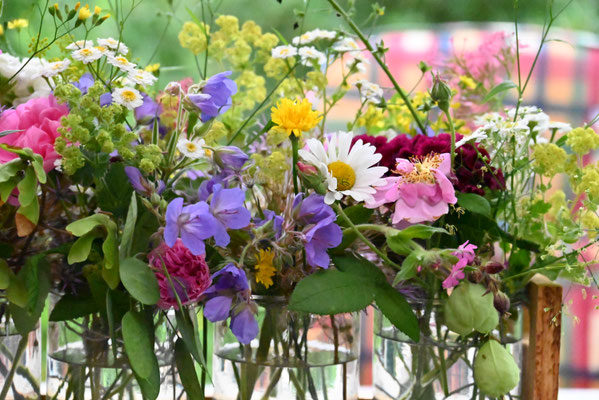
(19, 23)
(265, 269)
(84, 13)
(153, 67)
(97, 10)
(295, 116)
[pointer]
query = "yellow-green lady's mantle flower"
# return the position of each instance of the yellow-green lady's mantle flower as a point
(20, 23)
(295, 116)
(583, 140)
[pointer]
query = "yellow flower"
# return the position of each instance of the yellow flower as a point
(193, 37)
(264, 267)
(582, 140)
(18, 23)
(84, 13)
(467, 82)
(97, 10)
(77, 5)
(549, 159)
(153, 67)
(295, 116)
(1, 30)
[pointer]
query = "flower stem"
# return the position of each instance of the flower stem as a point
(363, 238)
(295, 150)
(15, 363)
(378, 59)
(452, 131)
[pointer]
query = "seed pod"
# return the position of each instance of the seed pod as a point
(501, 302)
(495, 370)
(470, 308)
(494, 267)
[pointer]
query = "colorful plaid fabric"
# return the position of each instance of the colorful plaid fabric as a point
(565, 84)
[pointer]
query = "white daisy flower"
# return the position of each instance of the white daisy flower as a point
(121, 63)
(310, 53)
(311, 36)
(350, 170)
(284, 52)
(80, 44)
(477, 136)
(359, 61)
(127, 97)
(104, 50)
(114, 44)
(56, 67)
(324, 34)
(531, 116)
(141, 77)
(192, 149)
(369, 92)
(86, 55)
(346, 44)
(563, 127)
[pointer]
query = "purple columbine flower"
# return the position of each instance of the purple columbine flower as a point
(215, 96)
(229, 213)
(192, 223)
(320, 231)
(142, 185)
(229, 295)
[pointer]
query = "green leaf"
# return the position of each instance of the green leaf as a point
(474, 203)
(358, 214)
(419, 231)
(150, 388)
(111, 276)
(110, 247)
(31, 211)
(38, 167)
(16, 293)
(10, 131)
(129, 228)
(139, 280)
(80, 249)
(71, 306)
(6, 188)
(332, 292)
(10, 169)
(139, 344)
(84, 225)
(359, 266)
(502, 87)
(408, 267)
(187, 371)
(190, 336)
(6, 274)
(399, 244)
(26, 318)
(395, 307)
(27, 187)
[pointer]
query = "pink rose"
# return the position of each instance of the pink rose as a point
(189, 273)
(421, 191)
(38, 120)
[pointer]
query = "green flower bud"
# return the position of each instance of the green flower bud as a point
(470, 308)
(495, 370)
(441, 93)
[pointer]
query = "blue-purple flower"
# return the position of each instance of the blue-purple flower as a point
(148, 112)
(193, 224)
(85, 82)
(229, 213)
(141, 184)
(320, 231)
(207, 186)
(214, 97)
(229, 296)
(230, 158)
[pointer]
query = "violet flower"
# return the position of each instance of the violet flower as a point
(230, 158)
(229, 213)
(214, 97)
(148, 112)
(207, 186)
(193, 224)
(320, 232)
(229, 296)
(85, 82)
(142, 185)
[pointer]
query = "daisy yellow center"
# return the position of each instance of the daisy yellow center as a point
(424, 169)
(101, 48)
(129, 95)
(191, 147)
(265, 269)
(344, 173)
(57, 66)
(284, 52)
(122, 60)
(86, 52)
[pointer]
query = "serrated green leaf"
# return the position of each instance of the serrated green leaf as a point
(138, 338)
(187, 371)
(332, 292)
(395, 307)
(502, 87)
(80, 249)
(27, 187)
(474, 203)
(359, 266)
(139, 280)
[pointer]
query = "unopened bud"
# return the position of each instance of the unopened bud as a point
(155, 199)
(475, 276)
(501, 302)
(441, 93)
(312, 178)
(173, 88)
(494, 267)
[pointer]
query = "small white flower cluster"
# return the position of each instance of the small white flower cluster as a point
(29, 83)
(311, 36)
(370, 93)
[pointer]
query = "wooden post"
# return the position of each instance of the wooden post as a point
(542, 352)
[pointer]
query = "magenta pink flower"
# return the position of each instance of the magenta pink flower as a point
(421, 191)
(38, 121)
(189, 273)
(465, 255)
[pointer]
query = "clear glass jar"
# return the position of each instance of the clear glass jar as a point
(84, 363)
(440, 365)
(295, 356)
(26, 352)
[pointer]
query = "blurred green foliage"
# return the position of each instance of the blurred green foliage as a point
(152, 28)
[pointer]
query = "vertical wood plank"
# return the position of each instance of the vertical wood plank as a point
(541, 363)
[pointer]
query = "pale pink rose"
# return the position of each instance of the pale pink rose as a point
(38, 119)
(189, 274)
(421, 191)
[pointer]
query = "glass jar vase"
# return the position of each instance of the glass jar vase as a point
(85, 364)
(20, 359)
(294, 356)
(439, 366)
